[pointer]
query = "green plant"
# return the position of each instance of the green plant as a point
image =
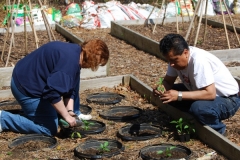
(104, 147)
(166, 152)
(160, 85)
(86, 124)
(78, 135)
(183, 126)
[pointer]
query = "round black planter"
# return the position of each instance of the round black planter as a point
(121, 113)
(114, 146)
(96, 127)
(7, 106)
(85, 109)
(105, 98)
(51, 141)
(139, 132)
(144, 152)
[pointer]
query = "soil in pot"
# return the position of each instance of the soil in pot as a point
(32, 142)
(98, 148)
(165, 151)
(92, 127)
(105, 98)
(121, 113)
(139, 132)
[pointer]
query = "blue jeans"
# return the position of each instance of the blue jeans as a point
(39, 115)
(209, 113)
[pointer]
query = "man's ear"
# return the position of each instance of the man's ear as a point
(185, 51)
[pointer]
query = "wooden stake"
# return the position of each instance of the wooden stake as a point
(231, 21)
(164, 16)
(7, 34)
(199, 22)
(187, 9)
(176, 15)
(191, 24)
(32, 24)
(163, 1)
(225, 28)
(146, 21)
(181, 12)
(47, 25)
(205, 26)
(25, 29)
(12, 38)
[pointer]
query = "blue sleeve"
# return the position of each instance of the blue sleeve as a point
(58, 84)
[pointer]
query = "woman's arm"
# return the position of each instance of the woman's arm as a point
(61, 109)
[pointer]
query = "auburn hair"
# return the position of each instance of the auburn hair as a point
(95, 53)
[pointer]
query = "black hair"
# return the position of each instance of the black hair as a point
(174, 42)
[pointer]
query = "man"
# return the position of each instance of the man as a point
(208, 90)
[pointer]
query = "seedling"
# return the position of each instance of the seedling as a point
(160, 85)
(75, 134)
(87, 124)
(104, 147)
(183, 126)
(166, 152)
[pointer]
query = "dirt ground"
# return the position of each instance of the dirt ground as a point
(124, 59)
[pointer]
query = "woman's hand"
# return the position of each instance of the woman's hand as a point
(71, 113)
(71, 121)
(169, 96)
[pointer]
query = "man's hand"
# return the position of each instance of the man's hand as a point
(157, 93)
(169, 96)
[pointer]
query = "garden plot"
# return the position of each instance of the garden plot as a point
(154, 112)
(142, 37)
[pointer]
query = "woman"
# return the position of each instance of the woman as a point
(46, 83)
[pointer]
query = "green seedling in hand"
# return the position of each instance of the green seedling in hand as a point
(166, 152)
(87, 124)
(160, 85)
(104, 147)
(76, 134)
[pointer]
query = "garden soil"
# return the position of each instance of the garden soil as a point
(124, 59)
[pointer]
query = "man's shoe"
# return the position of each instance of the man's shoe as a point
(225, 134)
(85, 117)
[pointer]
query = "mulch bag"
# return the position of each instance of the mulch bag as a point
(217, 7)
(236, 7)
(73, 9)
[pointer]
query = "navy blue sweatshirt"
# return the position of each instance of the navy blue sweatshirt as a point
(50, 72)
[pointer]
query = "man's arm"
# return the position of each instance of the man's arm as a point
(168, 82)
(206, 93)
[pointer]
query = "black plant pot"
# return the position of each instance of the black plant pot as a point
(121, 113)
(105, 98)
(90, 149)
(50, 142)
(85, 109)
(139, 132)
(184, 137)
(177, 153)
(95, 128)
